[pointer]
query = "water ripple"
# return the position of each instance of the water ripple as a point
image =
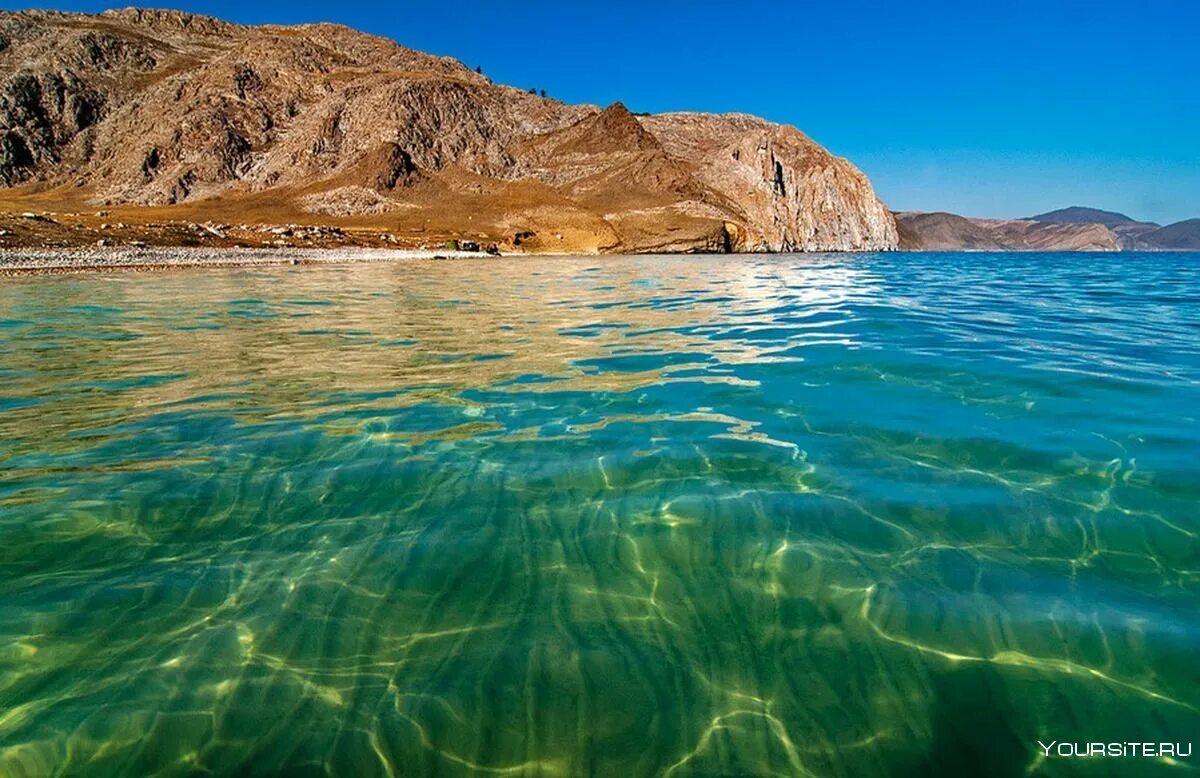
(825, 515)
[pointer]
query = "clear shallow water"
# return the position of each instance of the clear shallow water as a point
(836, 515)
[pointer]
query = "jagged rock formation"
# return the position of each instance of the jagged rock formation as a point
(163, 109)
(1067, 229)
(792, 194)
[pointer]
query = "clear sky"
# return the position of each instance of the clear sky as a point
(981, 108)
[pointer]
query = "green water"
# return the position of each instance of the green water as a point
(830, 515)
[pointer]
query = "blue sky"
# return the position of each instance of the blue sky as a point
(986, 109)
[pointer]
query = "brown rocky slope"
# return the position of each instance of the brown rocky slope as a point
(171, 117)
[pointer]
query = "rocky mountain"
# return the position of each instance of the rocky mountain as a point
(167, 115)
(1180, 236)
(949, 232)
(1067, 229)
(1076, 214)
(940, 231)
(1129, 232)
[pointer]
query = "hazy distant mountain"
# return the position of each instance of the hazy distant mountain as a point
(949, 232)
(940, 231)
(1130, 232)
(1077, 214)
(1067, 229)
(1180, 236)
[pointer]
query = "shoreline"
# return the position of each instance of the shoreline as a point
(44, 261)
(96, 259)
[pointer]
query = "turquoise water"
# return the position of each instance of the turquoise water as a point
(772, 515)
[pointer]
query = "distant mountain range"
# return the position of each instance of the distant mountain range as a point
(1068, 229)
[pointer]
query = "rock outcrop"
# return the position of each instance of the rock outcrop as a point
(167, 110)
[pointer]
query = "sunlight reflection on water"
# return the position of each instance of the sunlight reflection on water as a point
(830, 514)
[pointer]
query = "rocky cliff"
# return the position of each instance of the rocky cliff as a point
(186, 116)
